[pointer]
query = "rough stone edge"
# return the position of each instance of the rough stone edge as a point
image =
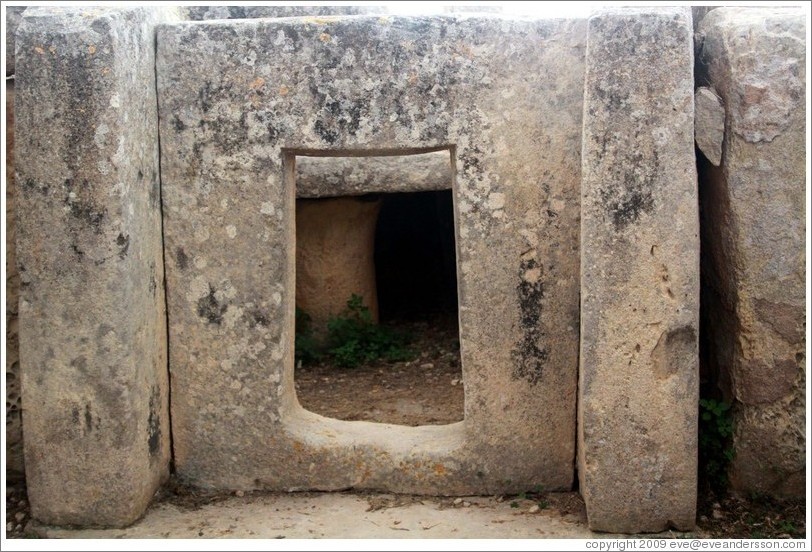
(725, 312)
(654, 523)
(329, 177)
(126, 509)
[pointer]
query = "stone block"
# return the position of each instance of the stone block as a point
(92, 312)
(709, 124)
(14, 427)
(240, 103)
(348, 176)
(639, 274)
(335, 247)
(14, 15)
(754, 224)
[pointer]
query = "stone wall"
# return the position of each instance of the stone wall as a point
(753, 267)
(754, 263)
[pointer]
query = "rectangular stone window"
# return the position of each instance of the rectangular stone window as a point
(377, 332)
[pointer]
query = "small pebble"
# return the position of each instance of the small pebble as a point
(500, 499)
(19, 516)
(533, 509)
(23, 503)
(427, 365)
(240, 493)
(718, 515)
(466, 504)
(19, 527)
(10, 526)
(703, 518)
(457, 501)
(455, 381)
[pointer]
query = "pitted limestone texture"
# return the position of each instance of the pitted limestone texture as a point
(92, 324)
(709, 124)
(14, 427)
(754, 235)
(639, 284)
(349, 176)
(239, 102)
(335, 246)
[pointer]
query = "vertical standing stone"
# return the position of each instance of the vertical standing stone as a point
(335, 246)
(639, 279)
(92, 311)
(753, 238)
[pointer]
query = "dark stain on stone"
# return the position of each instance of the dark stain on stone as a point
(528, 355)
(258, 317)
(177, 124)
(76, 251)
(84, 210)
(29, 184)
(88, 419)
(328, 135)
(626, 203)
(74, 415)
(153, 283)
(154, 423)
(123, 243)
(209, 308)
(181, 259)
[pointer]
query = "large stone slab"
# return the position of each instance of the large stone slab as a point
(239, 102)
(640, 274)
(753, 235)
(347, 176)
(92, 316)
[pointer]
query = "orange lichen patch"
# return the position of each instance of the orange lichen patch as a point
(91, 49)
(39, 49)
(297, 446)
(52, 49)
(439, 469)
(283, 90)
(257, 83)
(324, 37)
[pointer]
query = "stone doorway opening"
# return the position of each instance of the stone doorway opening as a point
(377, 333)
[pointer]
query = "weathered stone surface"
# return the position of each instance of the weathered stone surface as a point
(709, 124)
(335, 246)
(639, 284)
(14, 15)
(238, 100)
(92, 315)
(347, 176)
(753, 235)
(14, 428)
(201, 13)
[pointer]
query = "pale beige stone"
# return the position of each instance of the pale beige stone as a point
(335, 246)
(92, 323)
(503, 99)
(638, 386)
(709, 124)
(754, 236)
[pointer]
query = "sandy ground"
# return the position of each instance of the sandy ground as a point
(354, 516)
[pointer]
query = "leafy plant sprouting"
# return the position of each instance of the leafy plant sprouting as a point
(306, 348)
(353, 338)
(715, 450)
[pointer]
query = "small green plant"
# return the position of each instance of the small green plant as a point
(305, 346)
(715, 451)
(353, 338)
